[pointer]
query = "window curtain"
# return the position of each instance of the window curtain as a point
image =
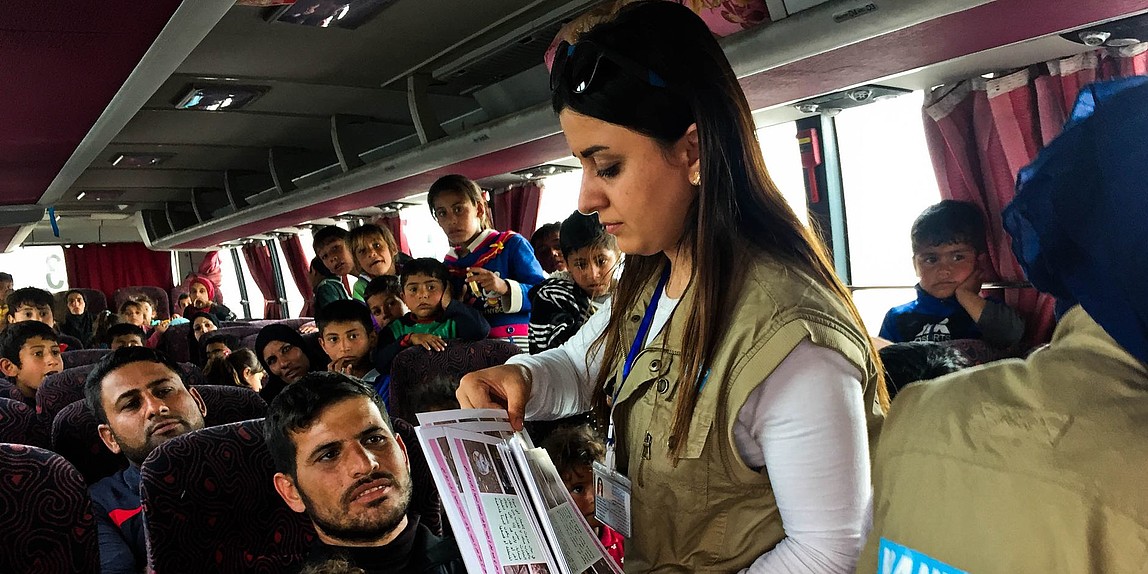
(297, 264)
(212, 268)
(981, 132)
(258, 258)
(516, 209)
(395, 223)
(115, 265)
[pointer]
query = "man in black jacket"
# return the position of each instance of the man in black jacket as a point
(339, 461)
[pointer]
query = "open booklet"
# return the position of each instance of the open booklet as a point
(507, 505)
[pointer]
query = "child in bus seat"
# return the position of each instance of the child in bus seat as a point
(78, 321)
(135, 313)
(104, 321)
(491, 271)
(435, 394)
(574, 450)
(240, 368)
(333, 250)
(181, 303)
(219, 344)
(384, 300)
(29, 351)
(33, 304)
(152, 314)
(948, 248)
(125, 335)
(562, 303)
(434, 315)
(202, 293)
(914, 361)
(153, 324)
(376, 255)
(547, 247)
(327, 287)
(6, 284)
(348, 337)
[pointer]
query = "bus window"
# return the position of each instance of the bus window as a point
(559, 197)
(424, 236)
(231, 293)
(39, 266)
(888, 180)
(783, 159)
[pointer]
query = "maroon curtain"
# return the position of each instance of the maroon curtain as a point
(297, 264)
(115, 265)
(981, 132)
(212, 268)
(395, 223)
(516, 209)
(258, 258)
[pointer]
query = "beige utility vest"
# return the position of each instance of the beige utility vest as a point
(710, 512)
(1033, 465)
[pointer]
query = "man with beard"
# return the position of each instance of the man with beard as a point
(339, 461)
(141, 401)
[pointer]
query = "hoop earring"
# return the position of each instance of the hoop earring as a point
(696, 178)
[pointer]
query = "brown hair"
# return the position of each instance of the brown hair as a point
(361, 235)
(456, 183)
(739, 213)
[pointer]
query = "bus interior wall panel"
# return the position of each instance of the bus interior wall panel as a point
(983, 27)
(63, 63)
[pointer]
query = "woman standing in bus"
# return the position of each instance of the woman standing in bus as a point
(732, 364)
(492, 271)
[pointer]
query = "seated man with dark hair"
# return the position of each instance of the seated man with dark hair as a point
(339, 461)
(141, 400)
(919, 361)
(125, 335)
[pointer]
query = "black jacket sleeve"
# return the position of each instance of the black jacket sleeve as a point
(387, 346)
(469, 324)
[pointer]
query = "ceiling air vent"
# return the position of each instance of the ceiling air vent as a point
(218, 97)
(845, 99)
(348, 14)
(1115, 34)
(139, 159)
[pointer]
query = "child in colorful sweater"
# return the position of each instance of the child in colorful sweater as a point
(491, 271)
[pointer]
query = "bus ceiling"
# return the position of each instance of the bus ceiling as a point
(209, 121)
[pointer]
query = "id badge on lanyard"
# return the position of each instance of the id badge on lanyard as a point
(612, 489)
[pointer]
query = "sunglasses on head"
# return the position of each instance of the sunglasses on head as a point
(579, 62)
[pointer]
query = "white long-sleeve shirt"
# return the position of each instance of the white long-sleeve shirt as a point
(805, 423)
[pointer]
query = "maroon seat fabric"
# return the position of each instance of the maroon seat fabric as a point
(66, 387)
(48, 524)
(294, 323)
(75, 435)
(211, 507)
(174, 343)
(81, 357)
(416, 365)
(20, 425)
(156, 294)
(8, 390)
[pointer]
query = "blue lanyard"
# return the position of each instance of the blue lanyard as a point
(644, 327)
